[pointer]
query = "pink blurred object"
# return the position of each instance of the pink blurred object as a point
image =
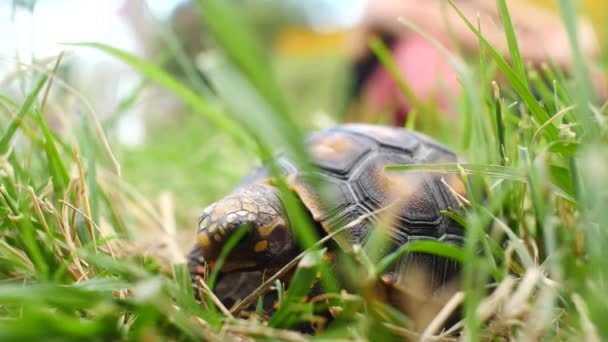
(427, 72)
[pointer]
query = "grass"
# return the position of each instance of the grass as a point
(84, 254)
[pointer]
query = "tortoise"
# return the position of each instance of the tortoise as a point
(353, 188)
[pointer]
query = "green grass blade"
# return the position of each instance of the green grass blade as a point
(66, 296)
(583, 91)
(275, 125)
(500, 125)
(468, 119)
(429, 247)
(23, 110)
(497, 171)
(56, 165)
(169, 82)
(241, 45)
(232, 242)
(288, 314)
(228, 247)
(410, 121)
(516, 61)
(23, 223)
(183, 292)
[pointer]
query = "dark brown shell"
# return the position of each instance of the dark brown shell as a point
(350, 161)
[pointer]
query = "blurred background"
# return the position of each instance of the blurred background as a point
(164, 147)
(319, 51)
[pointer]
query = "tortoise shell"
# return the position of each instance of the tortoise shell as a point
(352, 188)
(353, 185)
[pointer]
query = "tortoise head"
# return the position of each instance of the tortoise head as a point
(268, 241)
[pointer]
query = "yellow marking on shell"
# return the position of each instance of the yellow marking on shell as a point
(267, 230)
(260, 246)
(212, 228)
(329, 256)
(397, 187)
(242, 213)
(222, 229)
(203, 240)
(231, 218)
(217, 237)
(457, 185)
